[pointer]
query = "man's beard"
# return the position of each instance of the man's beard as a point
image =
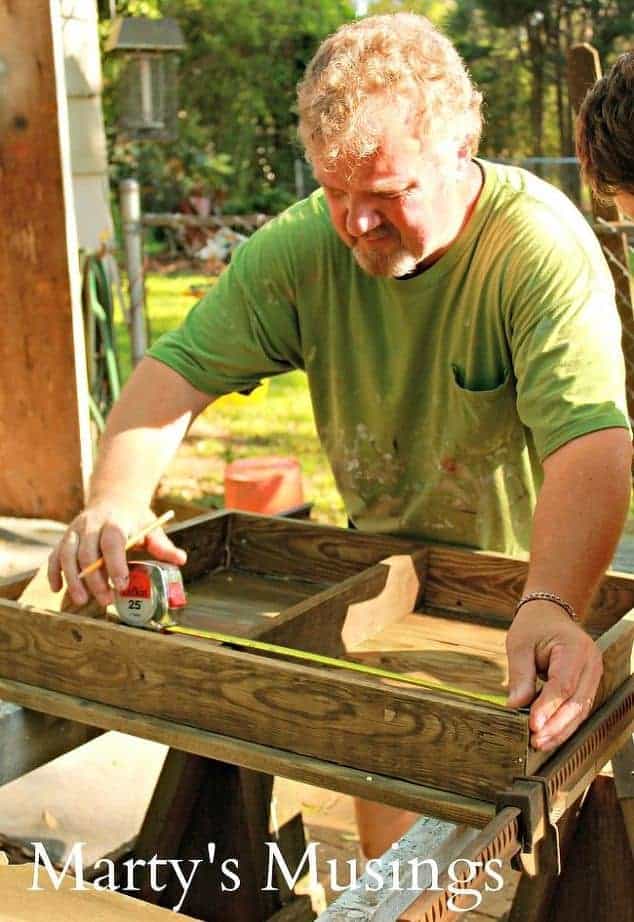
(388, 263)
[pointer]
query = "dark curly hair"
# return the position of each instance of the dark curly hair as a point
(605, 131)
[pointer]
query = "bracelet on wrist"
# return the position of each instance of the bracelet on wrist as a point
(547, 597)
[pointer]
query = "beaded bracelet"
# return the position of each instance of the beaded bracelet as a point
(547, 597)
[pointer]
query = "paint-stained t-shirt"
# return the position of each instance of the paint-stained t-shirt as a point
(435, 397)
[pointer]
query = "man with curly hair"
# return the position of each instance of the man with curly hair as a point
(605, 135)
(456, 322)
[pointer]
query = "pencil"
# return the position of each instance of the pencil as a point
(135, 539)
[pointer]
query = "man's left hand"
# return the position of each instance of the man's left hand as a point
(544, 642)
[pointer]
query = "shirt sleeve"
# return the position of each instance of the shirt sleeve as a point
(245, 328)
(565, 336)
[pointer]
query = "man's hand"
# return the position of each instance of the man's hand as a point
(102, 530)
(143, 431)
(544, 642)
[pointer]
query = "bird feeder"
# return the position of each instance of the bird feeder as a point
(147, 89)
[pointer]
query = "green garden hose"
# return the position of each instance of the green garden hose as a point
(101, 353)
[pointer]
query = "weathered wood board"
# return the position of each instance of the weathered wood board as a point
(437, 613)
(29, 739)
(45, 445)
(20, 903)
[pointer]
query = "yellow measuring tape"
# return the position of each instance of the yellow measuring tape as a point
(247, 643)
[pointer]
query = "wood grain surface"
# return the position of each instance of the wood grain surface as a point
(318, 772)
(21, 904)
(205, 538)
(458, 653)
(242, 603)
(12, 587)
(457, 580)
(353, 610)
(45, 446)
(317, 552)
(431, 738)
(597, 883)
(617, 651)
(472, 582)
(266, 577)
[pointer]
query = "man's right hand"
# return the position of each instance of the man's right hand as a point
(102, 530)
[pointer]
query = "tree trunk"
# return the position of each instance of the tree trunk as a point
(536, 52)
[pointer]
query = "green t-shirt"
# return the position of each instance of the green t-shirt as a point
(435, 397)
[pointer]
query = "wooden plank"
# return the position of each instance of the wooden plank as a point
(167, 817)
(45, 445)
(623, 768)
(298, 910)
(21, 903)
(419, 632)
(627, 811)
(613, 599)
(29, 739)
(457, 580)
(422, 736)
(597, 884)
(201, 803)
(12, 587)
(428, 838)
(242, 603)
(291, 840)
(617, 651)
(498, 840)
(287, 547)
(474, 582)
(534, 894)
(205, 540)
(455, 652)
(320, 773)
(584, 69)
(358, 608)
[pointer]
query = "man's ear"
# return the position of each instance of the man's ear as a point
(625, 201)
(464, 157)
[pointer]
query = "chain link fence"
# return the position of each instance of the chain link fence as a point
(562, 172)
(617, 243)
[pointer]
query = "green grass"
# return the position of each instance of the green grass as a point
(169, 298)
(279, 424)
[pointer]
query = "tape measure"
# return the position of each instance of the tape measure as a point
(155, 593)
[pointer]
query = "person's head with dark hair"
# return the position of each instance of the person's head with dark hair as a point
(605, 135)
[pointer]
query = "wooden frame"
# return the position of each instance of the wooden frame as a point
(348, 723)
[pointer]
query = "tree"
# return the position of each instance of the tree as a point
(544, 30)
(435, 10)
(494, 60)
(238, 77)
